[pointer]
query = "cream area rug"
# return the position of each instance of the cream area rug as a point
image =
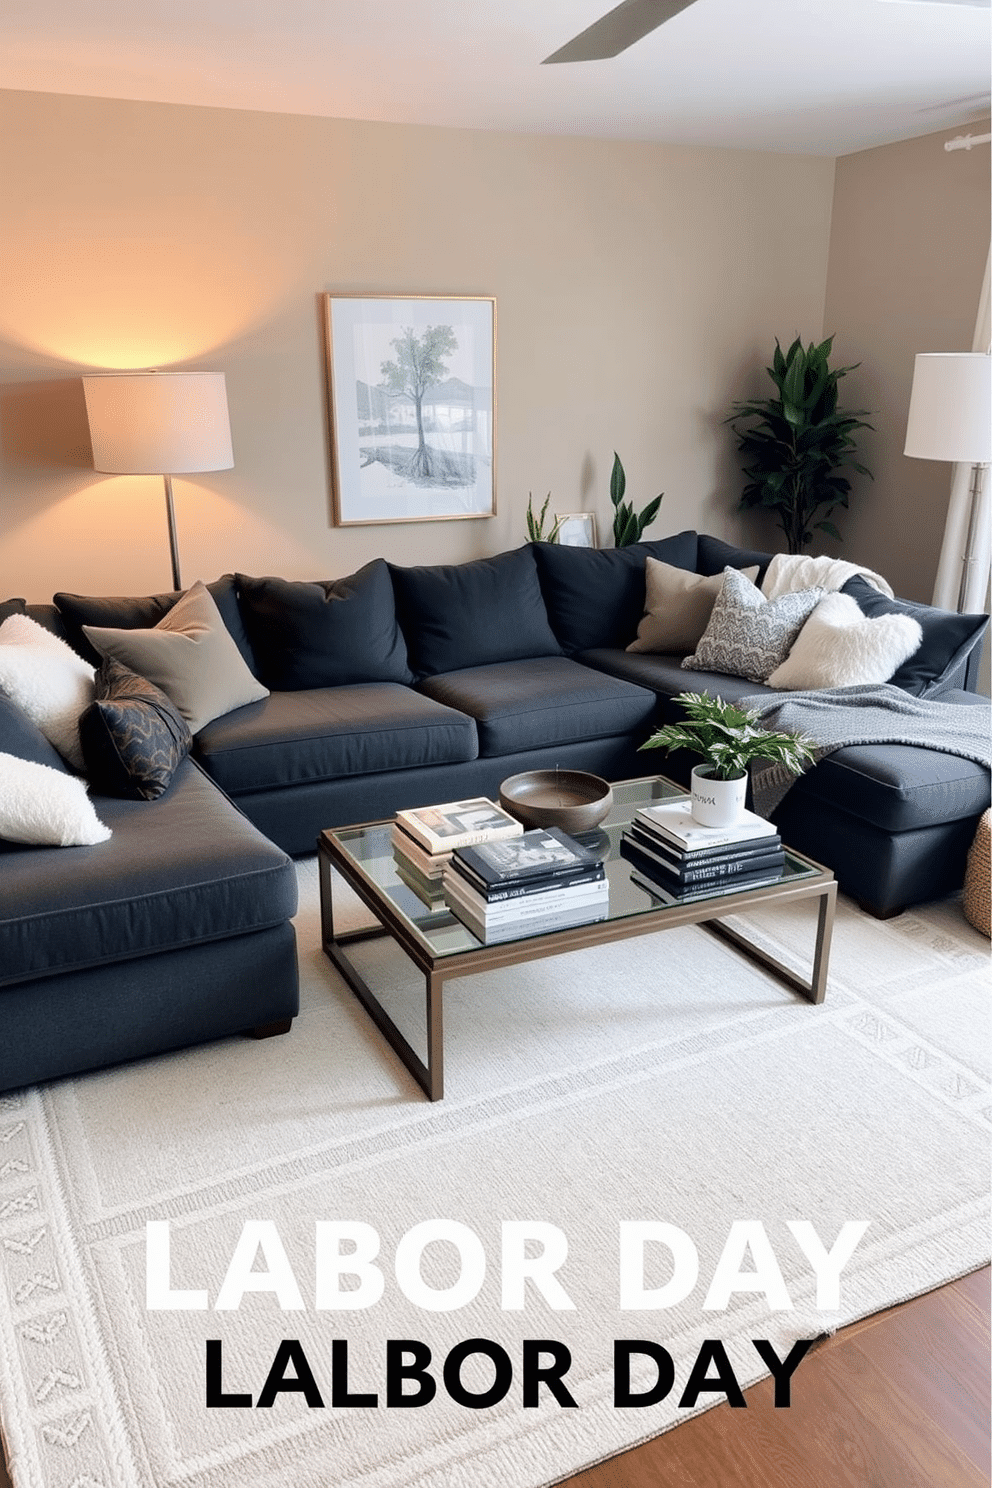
(663, 1083)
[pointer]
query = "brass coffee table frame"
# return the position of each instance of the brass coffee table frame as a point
(438, 969)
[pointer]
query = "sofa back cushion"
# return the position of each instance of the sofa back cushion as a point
(715, 555)
(458, 615)
(143, 612)
(595, 596)
(24, 739)
(190, 654)
(11, 607)
(329, 633)
(947, 637)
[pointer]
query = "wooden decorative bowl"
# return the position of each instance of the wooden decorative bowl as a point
(570, 799)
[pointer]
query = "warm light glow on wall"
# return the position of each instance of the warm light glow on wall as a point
(115, 302)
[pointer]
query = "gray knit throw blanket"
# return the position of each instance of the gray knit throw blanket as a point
(871, 714)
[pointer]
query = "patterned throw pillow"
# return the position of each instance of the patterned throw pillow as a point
(133, 738)
(748, 635)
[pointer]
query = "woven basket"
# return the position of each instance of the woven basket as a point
(977, 901)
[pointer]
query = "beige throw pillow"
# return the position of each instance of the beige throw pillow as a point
(190, 655)
(677, 607)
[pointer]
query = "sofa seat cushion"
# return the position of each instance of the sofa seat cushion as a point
(458, 615)
(595, 596)
(665, 677)
(185, 869)
(324, 733)
(898, 787)
(542, 701)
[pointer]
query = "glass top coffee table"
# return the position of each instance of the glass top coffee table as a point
(441, 947)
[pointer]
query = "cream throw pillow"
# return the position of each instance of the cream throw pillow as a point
(677, 607)
(189, 654)
(45, 807)
(47, 681)
(839, 646)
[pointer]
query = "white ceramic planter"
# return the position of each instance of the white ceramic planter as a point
(716, 803)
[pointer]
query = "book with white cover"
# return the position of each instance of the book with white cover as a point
(533, 906)
(458, 824)
(564, 918)
(673, 820)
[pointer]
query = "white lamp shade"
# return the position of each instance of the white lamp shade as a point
(950, 408)
(158, 423)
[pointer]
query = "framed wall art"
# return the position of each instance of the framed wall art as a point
(577, 530)
(412, 407)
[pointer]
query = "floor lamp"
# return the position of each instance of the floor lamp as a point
(159, 423)
(950, 418)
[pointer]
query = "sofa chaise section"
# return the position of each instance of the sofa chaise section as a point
(174, 931)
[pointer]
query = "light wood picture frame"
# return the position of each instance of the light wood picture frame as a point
(411, 407)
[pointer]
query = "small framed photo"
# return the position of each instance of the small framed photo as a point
(577, 530)
(412, 407)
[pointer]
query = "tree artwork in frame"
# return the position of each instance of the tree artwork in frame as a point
(412, 407)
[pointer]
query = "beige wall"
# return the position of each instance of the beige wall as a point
(908, 243)
(638, 288)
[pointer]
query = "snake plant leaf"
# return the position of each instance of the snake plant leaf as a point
(648, 515)
(628, 525)
(618, 481)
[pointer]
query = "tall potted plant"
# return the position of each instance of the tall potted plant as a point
(797, 442)
(728, 739)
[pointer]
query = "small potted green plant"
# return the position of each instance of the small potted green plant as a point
(535, 521)
(628, 525)
(728, 738)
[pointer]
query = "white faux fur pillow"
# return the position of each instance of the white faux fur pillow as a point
(839, 646)
(47, 681)
(46, 807)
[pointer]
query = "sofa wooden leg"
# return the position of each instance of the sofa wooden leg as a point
(881, 914)
(270, 1030)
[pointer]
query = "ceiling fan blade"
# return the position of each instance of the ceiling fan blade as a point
(618, 29)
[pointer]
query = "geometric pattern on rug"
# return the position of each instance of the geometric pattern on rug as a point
(662, 1078)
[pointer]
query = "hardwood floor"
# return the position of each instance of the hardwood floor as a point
(899, 1400)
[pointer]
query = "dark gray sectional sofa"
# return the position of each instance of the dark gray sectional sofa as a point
(398, 687)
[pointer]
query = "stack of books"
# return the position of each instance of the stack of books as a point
(540, 881)
(424, 838)
(690, 861)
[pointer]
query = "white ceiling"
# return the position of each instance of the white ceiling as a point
(804, 76)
